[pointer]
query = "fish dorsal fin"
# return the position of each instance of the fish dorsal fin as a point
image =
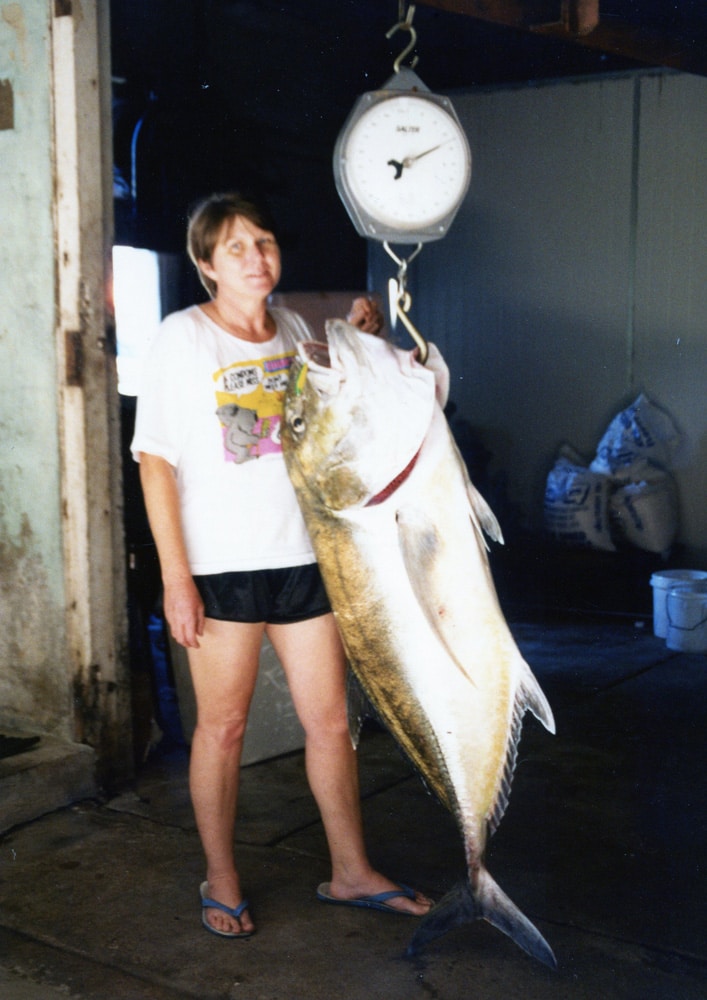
(482, 517)
(529, 696)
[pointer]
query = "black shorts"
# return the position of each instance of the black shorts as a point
(276, 596)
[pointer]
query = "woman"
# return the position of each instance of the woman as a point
(235, 556)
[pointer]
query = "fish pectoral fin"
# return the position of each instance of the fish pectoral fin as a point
(419, 545)
(486, 901)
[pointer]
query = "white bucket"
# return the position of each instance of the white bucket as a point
(686, 610)
(661, 584)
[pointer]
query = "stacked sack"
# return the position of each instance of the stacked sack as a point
(627, 495)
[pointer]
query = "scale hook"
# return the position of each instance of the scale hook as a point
(405, 24)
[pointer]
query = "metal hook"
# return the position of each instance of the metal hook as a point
(402, 262)
(405, 25)
(401, 310)
(403, 300)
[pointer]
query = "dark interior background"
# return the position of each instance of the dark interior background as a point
(250, 94)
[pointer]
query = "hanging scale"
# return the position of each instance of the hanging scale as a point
(402, 167)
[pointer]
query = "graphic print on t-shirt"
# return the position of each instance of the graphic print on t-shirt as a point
(249, 403)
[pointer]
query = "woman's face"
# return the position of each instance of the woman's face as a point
(245, 260)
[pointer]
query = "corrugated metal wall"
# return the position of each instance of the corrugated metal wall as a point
(574, 275)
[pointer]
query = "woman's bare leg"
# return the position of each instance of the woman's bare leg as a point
(224, 670)
(313, 660)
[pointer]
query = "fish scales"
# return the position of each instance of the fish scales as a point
(397, 529)
(369, 638)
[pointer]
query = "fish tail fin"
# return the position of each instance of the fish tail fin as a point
(502, 913)
(462, 904)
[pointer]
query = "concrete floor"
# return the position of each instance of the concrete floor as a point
(603, 846)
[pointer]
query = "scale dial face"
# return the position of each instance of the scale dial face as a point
(405, 165)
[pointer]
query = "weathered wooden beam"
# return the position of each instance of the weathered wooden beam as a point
(580, 21)
(507, 12)
(642, 45)
(575, 17)
(580, 17)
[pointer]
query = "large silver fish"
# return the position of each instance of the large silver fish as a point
(398, 530)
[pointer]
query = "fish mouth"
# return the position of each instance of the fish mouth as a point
(315, 353)
(317, 367)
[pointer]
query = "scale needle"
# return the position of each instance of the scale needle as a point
(409, 160)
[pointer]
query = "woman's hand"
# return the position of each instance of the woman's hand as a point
(184, 611)
(366, 314)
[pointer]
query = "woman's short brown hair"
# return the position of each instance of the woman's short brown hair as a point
(207, 221)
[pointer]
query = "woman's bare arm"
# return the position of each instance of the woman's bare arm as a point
(183, 607)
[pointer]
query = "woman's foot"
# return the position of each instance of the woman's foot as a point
(378, 893)
(222, 918)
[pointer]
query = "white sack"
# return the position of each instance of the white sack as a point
(641, 431)
(576, 509)
(645, 513)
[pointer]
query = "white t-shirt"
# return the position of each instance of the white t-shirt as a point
(211, 405)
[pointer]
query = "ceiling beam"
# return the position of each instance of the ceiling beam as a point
(643, 45)
(579, 17)
(511, 13)
(579, 21)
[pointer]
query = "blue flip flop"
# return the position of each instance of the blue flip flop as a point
(213, 904)
(379, 901)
